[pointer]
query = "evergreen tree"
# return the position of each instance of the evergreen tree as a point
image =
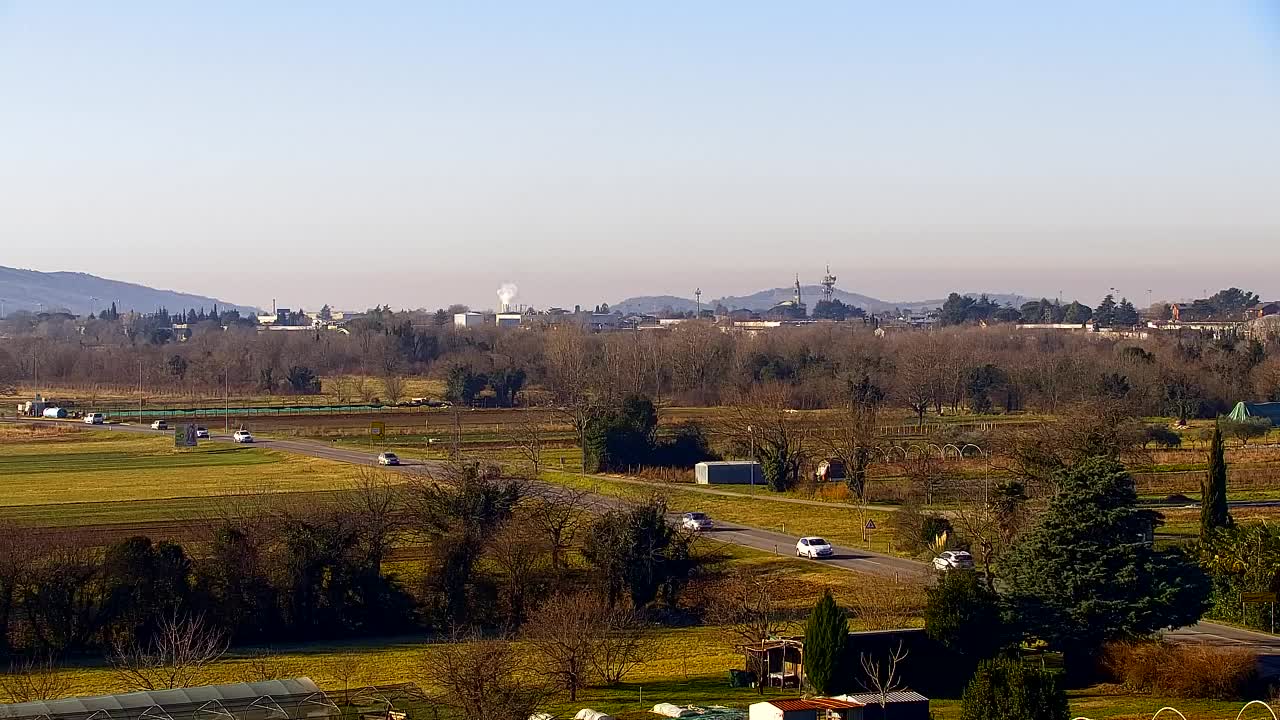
(964, 616)
(1126, 315)
(1007, 689)
(1213, 489)
(1105, 315)
(825, 636)
(1087, 573)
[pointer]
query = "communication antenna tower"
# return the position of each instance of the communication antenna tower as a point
(828, 285)
(697, 294)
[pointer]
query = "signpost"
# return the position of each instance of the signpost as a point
(1260, 598)
(184, 436)
(377, 429)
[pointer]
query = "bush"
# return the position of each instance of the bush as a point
(1006, 689)
(917, 531)
(1185, 671)
(1161, 436)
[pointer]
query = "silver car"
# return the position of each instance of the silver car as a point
(953, 560)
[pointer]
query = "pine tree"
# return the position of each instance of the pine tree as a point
(1213, 489)
(825, 636)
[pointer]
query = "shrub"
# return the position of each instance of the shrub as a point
(1005, 689)
(1185, 671)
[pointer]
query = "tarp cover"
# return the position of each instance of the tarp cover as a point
(1246, 410)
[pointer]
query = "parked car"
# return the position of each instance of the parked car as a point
(159, 425)
(695, 521)
(813, 547)
(388, 458)
(202, 432)
(94, 418)
(242, 436)
(953, 560)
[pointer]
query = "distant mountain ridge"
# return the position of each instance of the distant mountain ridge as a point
(765, 299)
(81, 294)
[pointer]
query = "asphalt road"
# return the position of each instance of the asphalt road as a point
(845, 558)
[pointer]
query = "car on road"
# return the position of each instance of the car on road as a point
(388, 458)
(242, 436)
(94, 418)
(695, 521)
(202, 432)
(814, 547)
(159, 425)
(953, 560)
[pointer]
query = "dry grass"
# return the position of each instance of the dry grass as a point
(1187, 671)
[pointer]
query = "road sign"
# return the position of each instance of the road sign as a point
(377, 428)
(871, 524)
(1258, 597)
(184, 436)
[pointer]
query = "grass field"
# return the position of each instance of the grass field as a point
(69, 472)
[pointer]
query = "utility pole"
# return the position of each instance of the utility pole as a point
(226, 399)
(751, 431)
(139, 390)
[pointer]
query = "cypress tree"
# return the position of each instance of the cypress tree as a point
(1213, 489)
(825, 636)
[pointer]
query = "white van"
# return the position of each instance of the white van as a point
(94, 418)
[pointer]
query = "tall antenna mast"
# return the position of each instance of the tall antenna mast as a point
(828, 285)
(697, 294)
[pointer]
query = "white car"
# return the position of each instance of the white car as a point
(242, 436)
(814, 548)
(94, 418)
(953, 560)
(202, 432)
(159, 425)
(388, 458)
(695, 521)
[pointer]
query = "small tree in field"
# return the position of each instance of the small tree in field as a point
(1009, 690)
(825, 637)
(1245, 430)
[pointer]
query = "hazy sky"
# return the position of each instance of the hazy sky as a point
(424, 153)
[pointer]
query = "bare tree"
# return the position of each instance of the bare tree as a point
(571, 369)
(888, 605)
(926, 474)
(521, 552)
(748, 614)
(267, 664)
(579, 638)
(341, 386)
(620, 647)
(764, 413)
(393, 387)
(484, 680)
(179, 655)
(31, 680)
(852, 437)
(530, 438)
(883, 676)
(559, 513)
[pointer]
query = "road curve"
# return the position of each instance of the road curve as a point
(845, 558)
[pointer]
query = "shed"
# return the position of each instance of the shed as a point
(728, 472)
(1246, 410)
(818, 708)
(902, 705)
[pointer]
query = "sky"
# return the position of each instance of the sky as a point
(418, 154)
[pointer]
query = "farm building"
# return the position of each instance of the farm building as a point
(293, 699)
(1246, 410)
(728, 472)
(468, 319)
(818, 708)
(902, 705)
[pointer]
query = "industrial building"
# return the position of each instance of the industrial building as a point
(468, 319)
(508, 320)
(728, 472)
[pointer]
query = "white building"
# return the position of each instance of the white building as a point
(471, 318)
(508, 320)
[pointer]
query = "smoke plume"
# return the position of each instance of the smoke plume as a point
(506, 294)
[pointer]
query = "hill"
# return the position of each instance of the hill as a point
(81, 294)
(765, 299)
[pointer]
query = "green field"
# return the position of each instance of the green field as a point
(64, 473)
